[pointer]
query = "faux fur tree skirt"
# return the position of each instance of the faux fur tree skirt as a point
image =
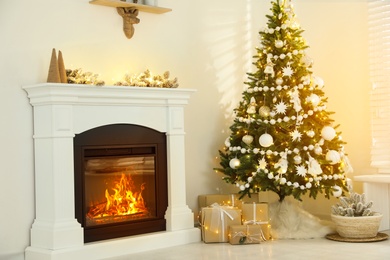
(290, 221)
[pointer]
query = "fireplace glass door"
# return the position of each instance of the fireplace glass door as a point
(119, 188)
(120, 181)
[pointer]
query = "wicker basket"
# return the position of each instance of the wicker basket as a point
(357, 227)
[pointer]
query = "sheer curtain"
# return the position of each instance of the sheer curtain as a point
(379, 37)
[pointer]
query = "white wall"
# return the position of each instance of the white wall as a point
(208, 45)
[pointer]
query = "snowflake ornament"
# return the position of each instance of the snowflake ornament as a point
(287, 71)
(262, 164)
(296, 135)
(281, 108)
(301, 170)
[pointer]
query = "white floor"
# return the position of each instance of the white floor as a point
(316, 249)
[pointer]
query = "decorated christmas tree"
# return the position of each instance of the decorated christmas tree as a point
(283, 139)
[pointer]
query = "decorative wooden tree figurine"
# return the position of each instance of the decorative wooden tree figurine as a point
(283, 138)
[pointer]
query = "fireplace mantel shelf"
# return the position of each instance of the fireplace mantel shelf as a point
(144, 8)
(60, 112)
(56, 93)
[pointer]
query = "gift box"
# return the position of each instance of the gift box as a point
(221, 199)
(215, 221)
(255, 213)
(248, 234)
(225, 199)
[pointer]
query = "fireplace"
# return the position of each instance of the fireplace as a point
(68, 120)
(120, 181)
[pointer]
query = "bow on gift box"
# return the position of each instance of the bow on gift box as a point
(248, 237)
(218, 216)
(254, 221)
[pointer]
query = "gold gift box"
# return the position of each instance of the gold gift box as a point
(248, 234)
(225, 199)
(255, 213)
(215, 222)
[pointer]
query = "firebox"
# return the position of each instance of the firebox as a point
(120, 181)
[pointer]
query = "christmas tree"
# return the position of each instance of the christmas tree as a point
(283, 139)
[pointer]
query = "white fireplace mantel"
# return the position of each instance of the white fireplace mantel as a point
(63, 110)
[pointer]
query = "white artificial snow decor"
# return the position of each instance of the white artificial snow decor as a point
(290, 221)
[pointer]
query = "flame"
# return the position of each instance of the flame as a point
(122, 201)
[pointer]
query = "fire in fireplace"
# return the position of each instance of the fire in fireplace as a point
(120, 181)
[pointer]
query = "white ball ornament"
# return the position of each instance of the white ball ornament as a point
(318, 150)
(307, 60)
(297, 159)
(248, 139)
(279, 44)
(328, 133)
(279, 81)
(310, 133)
(337, 191)
(319, 82)
(234, 163)
(333, 157)
(314, 99)
(227, 142)
(266, 140)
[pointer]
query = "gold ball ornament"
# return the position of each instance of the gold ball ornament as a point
(264, 111)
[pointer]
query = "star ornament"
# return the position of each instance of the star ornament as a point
(262, 163)
(287, 71)
(296, 135)
(301, 170)
(281, 108)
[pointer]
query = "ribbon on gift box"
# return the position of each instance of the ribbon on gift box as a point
(217, 216)
(255, 222)
(250, 238)
(254, 217)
